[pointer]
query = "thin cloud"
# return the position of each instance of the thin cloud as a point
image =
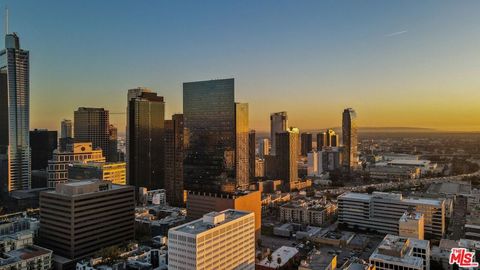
(396, 33)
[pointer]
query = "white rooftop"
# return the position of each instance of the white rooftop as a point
(284, 253)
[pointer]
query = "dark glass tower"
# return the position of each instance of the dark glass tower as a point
(251, 153)
(174, 160)
(92, 125)
(15, 170)
(209, 118)
(145, 139)
(42, 143)
(306, 143)
(349, 134)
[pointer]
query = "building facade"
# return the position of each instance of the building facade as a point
(77, 219)
(92, 125)
(219, 240)
(381, 212)
(145, 139)
(66, 129)
(278, 123)
(306, 143)
(287, 156)
(42, 144)
(114, 172)
(57, 170)
(15, 167)
(209, 112)
(251, 153)
(350, 140)
(174, 160)
(112, 144)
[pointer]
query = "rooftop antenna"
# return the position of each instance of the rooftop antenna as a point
(6, 20)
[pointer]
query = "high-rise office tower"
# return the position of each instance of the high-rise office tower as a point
(306, 143)
(42, 144)
(242, 148)
(251, 153)
(349, 134)
(66, 129)
(287, 155)
(264, 147)
(219, 240)
(278, 123)
(79, 218)
(174, 160)
(15, 171)
(146, 139)
(210, 117)
(321, 140)
(112, 155)
(92, 125)
(331, 138)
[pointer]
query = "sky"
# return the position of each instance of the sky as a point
(397, 63)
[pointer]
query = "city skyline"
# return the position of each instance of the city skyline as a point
(421, 55)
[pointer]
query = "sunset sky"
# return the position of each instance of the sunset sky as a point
(398, 63)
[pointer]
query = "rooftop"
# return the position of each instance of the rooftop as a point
(199, 226)
(398, 249)
(389, 196)
(82, 187)
(284, 253)
(25, 253)
(318, 260)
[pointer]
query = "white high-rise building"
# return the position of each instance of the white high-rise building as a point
(382, 211)
(278, 124)
(15, 154)
(219, 240)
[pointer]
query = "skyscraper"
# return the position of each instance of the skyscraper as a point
(66, 129)
(174, 160)
(210, 116)
(278, 123)
(287, 155)
(306, 143)
(92, 125)
(145, 139)
(331, 138)
(112, 155)
(349, 134)
(251, 153)
(42, 144)
(321, 140)
(264, 147)
(241, 145)
(15, 170)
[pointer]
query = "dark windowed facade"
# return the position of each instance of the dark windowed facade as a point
(174, 160)
(209, 118)
(42, 143)
(146, 130)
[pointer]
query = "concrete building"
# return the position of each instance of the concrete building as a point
(331, 159)
(412, 225)
(350, 140)
(77, 152)
(259, 167)
(242, 149)
(252, 147)
(79, 218)
(393, 172)
(15, 171)
(92, 125)
(219, 240)
(200, 203)
(396, 252)
(17, 251)
(174, 140)
(303, 213)
(114, 172)
(316, 260)
(66, 129)
(278, 124)
(282, 259)
(381, 212)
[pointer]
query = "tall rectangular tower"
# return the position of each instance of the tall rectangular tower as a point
(251, 153)
(287, 155)
(66, 129)
(42, 144)
(210, 134)
(306, 143)
(349, 134)
(278, 123)
(241, 145)
(15, 170)
(174, 160)
(92, 125)
(145, 139)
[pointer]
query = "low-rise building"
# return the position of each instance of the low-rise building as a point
(281, 259)
(412, 225)
(17, 251)
(316, 260)
(396, 252)
(307, 213)
(393, 172)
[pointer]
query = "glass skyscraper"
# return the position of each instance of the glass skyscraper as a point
(278, 123)
(145, 139)
(14, 116)
(211, 121)
(350, 140)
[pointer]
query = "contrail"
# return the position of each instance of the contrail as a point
(396, 33)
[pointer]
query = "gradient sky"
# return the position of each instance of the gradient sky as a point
(398, 63)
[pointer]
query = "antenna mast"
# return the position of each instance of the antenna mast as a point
(6, 20)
